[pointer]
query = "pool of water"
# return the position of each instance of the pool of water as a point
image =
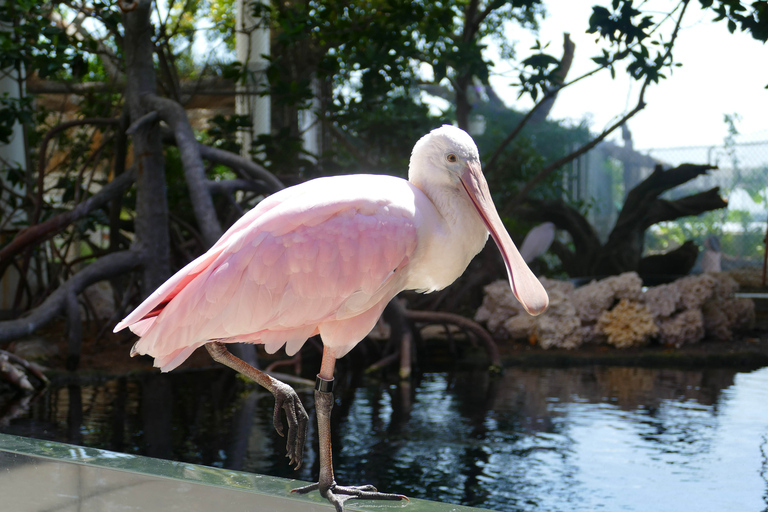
(543, 439)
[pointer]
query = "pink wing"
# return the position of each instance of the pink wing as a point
(322, 257)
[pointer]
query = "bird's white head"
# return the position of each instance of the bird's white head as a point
(441, 156)
(448, 158)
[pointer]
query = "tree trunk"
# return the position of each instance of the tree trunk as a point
(642, 208)
(463, 107)
(151, 204)
(175, 116)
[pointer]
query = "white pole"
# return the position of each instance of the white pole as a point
(12, 156)
(252, 41)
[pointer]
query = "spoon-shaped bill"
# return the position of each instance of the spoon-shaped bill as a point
(525, 285)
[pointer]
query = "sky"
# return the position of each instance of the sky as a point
(722, 73)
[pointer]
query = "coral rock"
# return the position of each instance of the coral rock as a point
(498, 305)
(592, 299)
(716, 322)
(724, 315)
(629, 324)
(559, 331)
(695, 290)
(556, 285)
(681, 312)
(520, 326)
(740, 312)
(625, 286)
(685, 327)
(662, 300)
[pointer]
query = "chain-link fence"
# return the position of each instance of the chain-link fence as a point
(736, 234)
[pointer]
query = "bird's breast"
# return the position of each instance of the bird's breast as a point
(447, 243)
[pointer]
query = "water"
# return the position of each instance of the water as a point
(537, 439)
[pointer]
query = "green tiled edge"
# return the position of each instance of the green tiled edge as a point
(193, 473)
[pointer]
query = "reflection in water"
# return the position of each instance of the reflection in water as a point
(610, 438)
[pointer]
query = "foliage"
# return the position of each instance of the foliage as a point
(367, 71)
(375, 61)
(752, 19)
(538, 73)
(30, 43)
(743, 238)
(528, 154)
(33, 43)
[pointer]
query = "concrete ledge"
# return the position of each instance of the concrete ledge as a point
(45, 475)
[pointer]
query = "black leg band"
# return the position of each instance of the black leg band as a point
(326, 386)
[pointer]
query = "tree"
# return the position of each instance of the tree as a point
(142, 111)
(622, 251)
(371, 68)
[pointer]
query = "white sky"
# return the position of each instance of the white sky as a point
(722, 73)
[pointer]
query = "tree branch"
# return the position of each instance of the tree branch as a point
(236, 162)
(176, 117)
(106, 267)
(695, 204)
(229, 186)
(565, 217)
(544, 173)
(634, 213)
(559, 76)
(38, 233)
(464, 323)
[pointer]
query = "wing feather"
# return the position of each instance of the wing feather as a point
(287, 271)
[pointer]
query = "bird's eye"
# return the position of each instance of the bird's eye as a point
(452, 158)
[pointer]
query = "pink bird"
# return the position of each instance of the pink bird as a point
(325, 257)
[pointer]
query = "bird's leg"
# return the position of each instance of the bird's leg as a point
(285, 399)
(326, 485)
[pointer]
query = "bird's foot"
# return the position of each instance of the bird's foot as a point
(288, 401)
(338, 494)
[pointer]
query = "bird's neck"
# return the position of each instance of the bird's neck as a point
(456, 233)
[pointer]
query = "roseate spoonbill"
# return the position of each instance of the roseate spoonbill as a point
(325, 257)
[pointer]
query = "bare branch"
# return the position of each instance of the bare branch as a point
(128, 5)
(74, 329)
(565, 217)
(544, 173)
(493, 160)
(229, 186)
(559, 76)
(38, 233)
(176, 117)
(147, 118)
(106, 267)
(695, 204)
(248, 167)
(464, 323)
(636, 205)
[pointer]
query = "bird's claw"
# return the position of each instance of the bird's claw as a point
(338, 494)
(298, 419)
